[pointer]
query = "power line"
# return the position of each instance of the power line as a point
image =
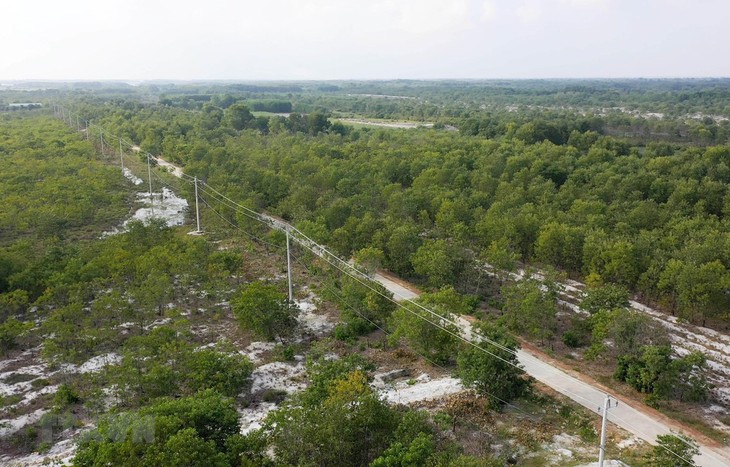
(350, 271)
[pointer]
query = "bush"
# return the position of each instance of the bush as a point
(493, 371)
(65, 396)
(261, 308)
(571, 339)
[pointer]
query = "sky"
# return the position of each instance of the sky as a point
(362, 39)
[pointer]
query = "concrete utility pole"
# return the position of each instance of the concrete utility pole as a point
(197, 208)
(149, 178)
(121, 154)
(602, 452)
(288, 267)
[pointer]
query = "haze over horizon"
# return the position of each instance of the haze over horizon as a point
(348, 39)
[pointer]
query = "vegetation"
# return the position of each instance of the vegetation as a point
(492, 368)
(579, 179)
(198, 431)
(264, 310)
(674, 451)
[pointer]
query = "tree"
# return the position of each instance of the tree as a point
(655, 372)
(427, 331)
(162, 364)
(370, 259)
(449, 299)
(261, 308)
(400, 247)
(364, 307)
(561, 246)
(628, 331)
(194, 431)
(500, 257)
(350, 427)
(238, 117)
(10, 331)
(531, 307)
(674, 450)
(492, 370)
(439, 261)
(605, 297)
(411, 455)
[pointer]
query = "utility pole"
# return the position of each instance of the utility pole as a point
(78, 125)
(197, 209)
(149, 178)
(87, 129)
(606, 405)
(101, 139)
(121, 154)
(288, 266)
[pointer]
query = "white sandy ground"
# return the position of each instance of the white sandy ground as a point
(255, 350)
(60, 454)
(24, 389)
(312, 322)
(385, 124)
(165, 205)
(281, 376)
(98, 363)
(421, 388)
(132, 177)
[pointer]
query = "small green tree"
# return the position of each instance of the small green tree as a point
(439, 261)
(261, 308)
(407, 455)
(370, 259)
(656, 372)
(350, 427)
(493, 370)
(531, 308)
(193, 431)
(10, 331)
(675, 450)
(606, 297)
(501, 258)
(427, 331)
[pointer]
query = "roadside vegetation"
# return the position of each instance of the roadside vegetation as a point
(165, 343)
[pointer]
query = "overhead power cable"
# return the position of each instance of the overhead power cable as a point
(338, 263)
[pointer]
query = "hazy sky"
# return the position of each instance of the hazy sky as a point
(380, 39)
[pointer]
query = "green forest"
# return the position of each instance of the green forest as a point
(544, 213)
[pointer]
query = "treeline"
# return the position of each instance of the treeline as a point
(652, 218)
(164, 395)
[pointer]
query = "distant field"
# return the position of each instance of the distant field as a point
(384, 123)
(257, 113)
